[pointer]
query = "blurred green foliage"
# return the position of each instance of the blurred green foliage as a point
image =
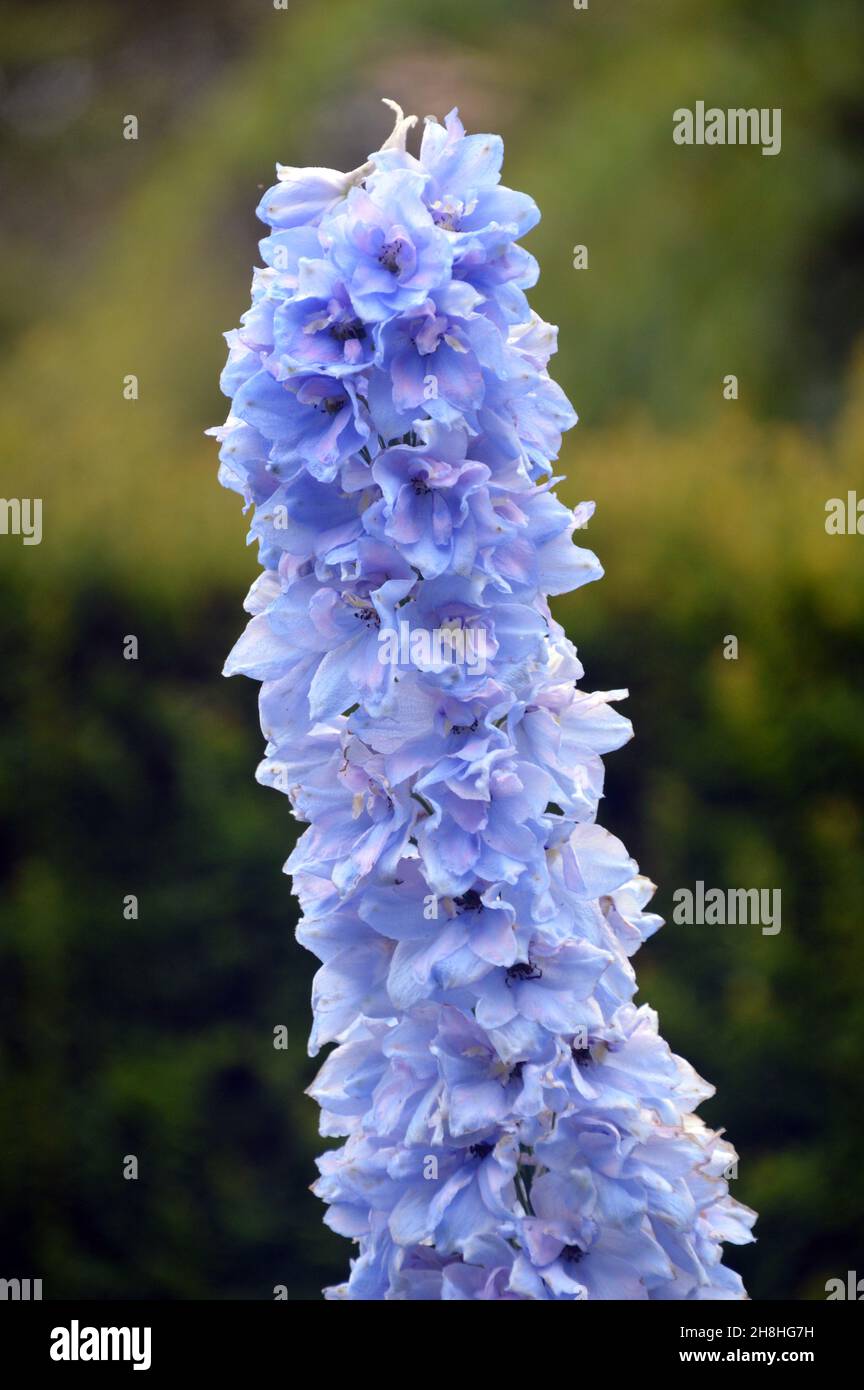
(155, 1037)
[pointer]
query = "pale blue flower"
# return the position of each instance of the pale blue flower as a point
(513, 1126)
(386, 246)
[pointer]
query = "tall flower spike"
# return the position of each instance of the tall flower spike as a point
(514, 1126)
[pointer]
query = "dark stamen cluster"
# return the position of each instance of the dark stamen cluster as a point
(470, 901)
(524, 970)
(465, 728)
(388, 256)
(447, 219)
(369, 616)
(348, 329)
(481, 1150)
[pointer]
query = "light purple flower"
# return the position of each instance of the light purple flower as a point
(386, 246)
(513, 1125)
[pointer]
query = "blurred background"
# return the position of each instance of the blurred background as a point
(154, 1037)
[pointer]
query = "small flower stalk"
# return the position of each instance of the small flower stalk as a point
(513, 1126)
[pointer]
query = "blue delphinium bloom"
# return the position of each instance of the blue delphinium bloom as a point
(514, 1127)
(386, 245)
